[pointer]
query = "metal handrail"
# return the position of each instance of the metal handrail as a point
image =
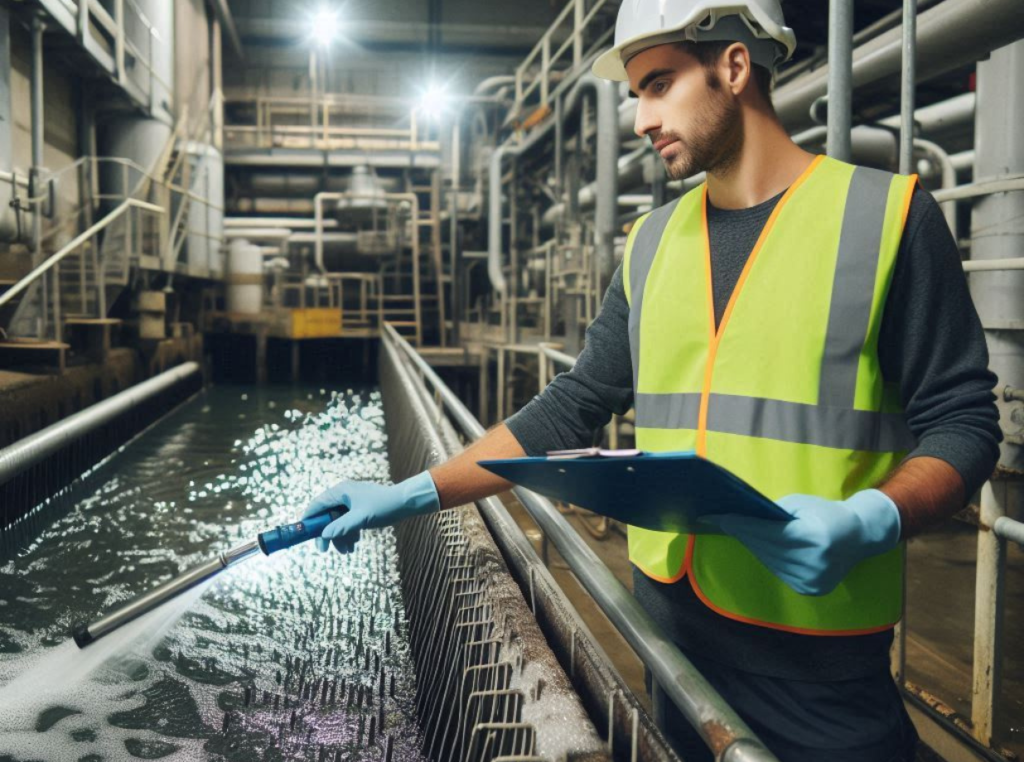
(581, 18)
(115, 26)
(728, 737)
(559, 357)
(981, 188)
(320, 111)
(25, 282)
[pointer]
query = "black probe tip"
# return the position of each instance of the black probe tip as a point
(80, 632)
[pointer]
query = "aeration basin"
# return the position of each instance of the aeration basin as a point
(424, 644)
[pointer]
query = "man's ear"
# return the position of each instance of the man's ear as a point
(736, 68)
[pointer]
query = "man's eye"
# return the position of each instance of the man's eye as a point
(660, 86)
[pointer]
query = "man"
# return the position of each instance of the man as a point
(806, 324)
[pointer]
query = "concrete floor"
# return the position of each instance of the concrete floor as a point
(940, 617)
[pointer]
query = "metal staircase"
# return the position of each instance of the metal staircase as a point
(76, 281)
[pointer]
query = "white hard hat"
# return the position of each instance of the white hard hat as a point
(642, 24)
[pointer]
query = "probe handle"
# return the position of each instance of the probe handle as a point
(287, 535)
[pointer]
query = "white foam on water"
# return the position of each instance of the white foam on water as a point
(67, 676)
(280, 467)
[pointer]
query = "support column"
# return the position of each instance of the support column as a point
(296, 361)
(261, 355)
(997, 228)
(989, 602)
(35, 190)
(8, 222)
(216, 64)
(997, 232)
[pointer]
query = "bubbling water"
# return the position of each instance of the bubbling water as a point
(301, 653)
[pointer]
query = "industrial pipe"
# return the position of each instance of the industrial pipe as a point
(607, 176)
(840, 78)
(949, 35)
(630, 169)
(948, 172)
(908, 79)
(501, 80)
(495, 272)
(607, 96)
(494, 222)
(37, 447)
(292, 223)
(944, 115)
(269, 233)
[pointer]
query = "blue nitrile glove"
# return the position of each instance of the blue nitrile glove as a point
(824, 541)
(371, 506)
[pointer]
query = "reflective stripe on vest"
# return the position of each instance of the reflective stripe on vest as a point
(787, 392)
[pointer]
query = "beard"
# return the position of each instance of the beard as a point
(714, 141)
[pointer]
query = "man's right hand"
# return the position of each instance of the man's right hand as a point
(369, 506)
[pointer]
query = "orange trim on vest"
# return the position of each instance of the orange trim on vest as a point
(911, 187)
(667, 580)
(771, 625)
(716, 334)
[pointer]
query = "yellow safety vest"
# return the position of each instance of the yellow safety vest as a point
(787, 393)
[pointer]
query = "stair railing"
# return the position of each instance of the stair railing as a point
(52, 263)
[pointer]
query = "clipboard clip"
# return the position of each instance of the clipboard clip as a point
(591, 452)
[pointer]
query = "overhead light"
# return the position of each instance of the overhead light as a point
(433, 101)
(324, 27)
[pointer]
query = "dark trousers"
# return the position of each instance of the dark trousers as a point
(861, 720)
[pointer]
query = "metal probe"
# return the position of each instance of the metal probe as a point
(271, 541)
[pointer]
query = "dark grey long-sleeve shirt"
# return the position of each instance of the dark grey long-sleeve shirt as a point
(931, 343)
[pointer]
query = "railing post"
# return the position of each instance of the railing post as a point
(988, 610)
(55, 285)
(259, 121)
(545, 64)
(101, 278)
(119, 41)
(35, 173)
(907, 86)
(577, 32)
(128, 243)
(209, 231)
(840, 78)
(152, 76)
(906, 161)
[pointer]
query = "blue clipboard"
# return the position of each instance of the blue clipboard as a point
(665, 492)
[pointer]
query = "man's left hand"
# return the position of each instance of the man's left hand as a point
(814, 551)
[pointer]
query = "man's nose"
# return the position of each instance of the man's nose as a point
(646, 121)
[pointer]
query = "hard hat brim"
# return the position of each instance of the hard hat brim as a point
(609, 65)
